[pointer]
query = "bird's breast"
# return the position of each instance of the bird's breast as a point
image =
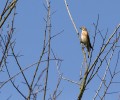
(84, 39)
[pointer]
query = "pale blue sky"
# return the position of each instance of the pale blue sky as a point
(29, 35)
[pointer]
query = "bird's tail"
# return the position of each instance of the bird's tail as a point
(91, 47)
(88, 49)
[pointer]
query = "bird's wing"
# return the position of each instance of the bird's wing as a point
(88, 37)
(89, 40)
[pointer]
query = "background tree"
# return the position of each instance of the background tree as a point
(35, 41)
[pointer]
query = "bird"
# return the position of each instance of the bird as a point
(84, 39)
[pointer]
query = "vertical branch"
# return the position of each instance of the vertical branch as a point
(83, 82)
(37, 66)
(39, 61)
(96, 27)
(94, 38)
(66, 4)
(71, 18)
(82, 85)
(49, 40)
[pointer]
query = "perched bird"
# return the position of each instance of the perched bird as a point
(84, 39)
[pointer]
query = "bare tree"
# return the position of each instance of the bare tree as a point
(38, 83)
(109, 46)
(34, 87)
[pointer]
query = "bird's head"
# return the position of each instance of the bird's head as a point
(83, 28)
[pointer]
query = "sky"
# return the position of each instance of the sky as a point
(29, 34)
